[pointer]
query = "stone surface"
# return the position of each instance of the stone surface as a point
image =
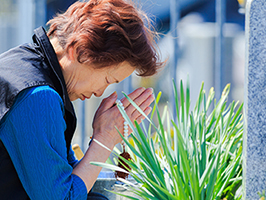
(107, 182)
(254, 165)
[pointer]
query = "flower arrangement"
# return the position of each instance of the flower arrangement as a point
(262, 195)
(195, 155)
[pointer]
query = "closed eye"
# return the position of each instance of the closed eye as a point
(107, 81)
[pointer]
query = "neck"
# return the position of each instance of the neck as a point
(60, 52)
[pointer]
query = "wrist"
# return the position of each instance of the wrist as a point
(104, 140)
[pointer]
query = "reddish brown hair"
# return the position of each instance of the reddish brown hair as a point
(105, 33)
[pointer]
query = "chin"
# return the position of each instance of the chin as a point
(72, 98)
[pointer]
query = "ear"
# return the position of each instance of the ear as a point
(71, 53)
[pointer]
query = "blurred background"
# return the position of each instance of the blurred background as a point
(200, 38)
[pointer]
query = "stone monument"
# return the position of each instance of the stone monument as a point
(254, 147)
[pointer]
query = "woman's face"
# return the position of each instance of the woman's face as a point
(83, 80)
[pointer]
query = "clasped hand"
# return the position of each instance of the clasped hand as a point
(107, 117)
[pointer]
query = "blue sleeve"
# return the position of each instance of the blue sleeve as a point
(33, 134)
(71, 158)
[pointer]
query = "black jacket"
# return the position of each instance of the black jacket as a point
(23, 67)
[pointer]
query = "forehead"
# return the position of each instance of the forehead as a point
(121, 70)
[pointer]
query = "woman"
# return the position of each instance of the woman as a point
(87, 48)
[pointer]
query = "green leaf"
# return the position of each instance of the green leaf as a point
(194, 155)
(176, 100)
(187, 99)
(109, 166)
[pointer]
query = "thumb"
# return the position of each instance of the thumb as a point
(108, 102)
(111, 100)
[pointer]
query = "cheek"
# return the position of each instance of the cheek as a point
(80, 87)
(93, 85)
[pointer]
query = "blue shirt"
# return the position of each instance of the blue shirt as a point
(33, 134)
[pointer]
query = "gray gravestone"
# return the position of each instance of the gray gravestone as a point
(254, 163)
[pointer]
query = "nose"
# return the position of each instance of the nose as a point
(100, 92)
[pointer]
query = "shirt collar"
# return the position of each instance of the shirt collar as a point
(50, 54)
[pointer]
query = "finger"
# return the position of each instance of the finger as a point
(138, 100)
(141, 117)
(143, 96)
(108, 102)
(135, 113)
(132, 96)
(142, 101)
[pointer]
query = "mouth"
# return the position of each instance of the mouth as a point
(84, 97)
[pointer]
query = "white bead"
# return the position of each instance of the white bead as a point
(119, 102)
(125, 122)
